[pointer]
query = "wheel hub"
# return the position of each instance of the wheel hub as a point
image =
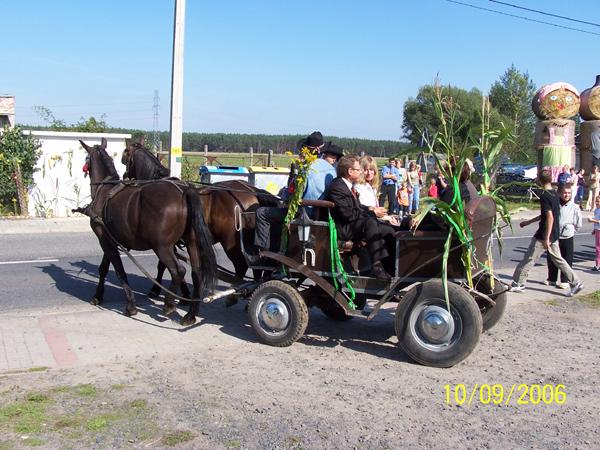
(436, 324)
(274, 314)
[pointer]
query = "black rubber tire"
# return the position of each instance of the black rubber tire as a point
(491, 315)
(335, 312)
(465, 314)
(287, 297)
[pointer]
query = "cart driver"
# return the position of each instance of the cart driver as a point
(321, 174)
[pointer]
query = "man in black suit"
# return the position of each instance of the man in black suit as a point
(355, 221)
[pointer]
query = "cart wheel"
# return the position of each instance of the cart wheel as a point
(278, 313)
(491, 314)
(335, 312)
(430, 334)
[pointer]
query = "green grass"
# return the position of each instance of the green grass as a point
(515, 206)
(75, 415)
(592, 299)
(26, 415)
(177, 437)
(85, 390)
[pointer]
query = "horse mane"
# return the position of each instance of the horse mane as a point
(146, 165)
(109, 164)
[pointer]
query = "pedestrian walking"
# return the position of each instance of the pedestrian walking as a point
(545, 238)
(569, 221)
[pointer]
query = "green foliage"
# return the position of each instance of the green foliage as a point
(421, 114)
(511, 95)
(16, 148)
(89, 125)
(177, 437)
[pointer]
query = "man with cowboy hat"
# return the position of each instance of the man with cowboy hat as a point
(321, 173)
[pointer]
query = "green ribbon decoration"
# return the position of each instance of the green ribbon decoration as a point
(336, 263)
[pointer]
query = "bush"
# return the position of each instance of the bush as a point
(16, 148)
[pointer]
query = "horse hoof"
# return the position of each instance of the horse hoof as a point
(169, 309)
(131, 312)
(188, 320)
(96, 301)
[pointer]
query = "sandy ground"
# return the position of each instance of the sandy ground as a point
(344, 385)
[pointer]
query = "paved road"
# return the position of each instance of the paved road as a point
(59, 269)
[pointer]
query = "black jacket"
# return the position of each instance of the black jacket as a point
(349, 215)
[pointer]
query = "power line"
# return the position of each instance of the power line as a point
(545, 13)
(523, 18)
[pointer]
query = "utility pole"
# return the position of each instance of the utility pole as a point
(155, 136)
(176, 152)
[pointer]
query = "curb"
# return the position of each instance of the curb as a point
(79, 224)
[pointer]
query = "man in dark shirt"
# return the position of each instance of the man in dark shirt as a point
(545, 238)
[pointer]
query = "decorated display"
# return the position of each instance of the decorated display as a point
(558, 100)
(589, 108)
(554, 139)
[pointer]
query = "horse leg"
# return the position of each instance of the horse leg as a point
(113, 255)
(167, 256)
(102, 271)
(160, 270)
(190, 317)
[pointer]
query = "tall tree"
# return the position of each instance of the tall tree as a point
(420, 113)
(511, 95)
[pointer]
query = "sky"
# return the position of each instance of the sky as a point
(344, 67)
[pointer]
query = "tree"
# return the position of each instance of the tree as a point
(18, 154)
(89, 125)
(511, 95)
(420, 113)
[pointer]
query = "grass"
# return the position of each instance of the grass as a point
(592, 300)
(75, 415)
(514, 206)
(177, 437)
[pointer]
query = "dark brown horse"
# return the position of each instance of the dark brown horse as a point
(141, 164)
(152, 216)
(218, 200)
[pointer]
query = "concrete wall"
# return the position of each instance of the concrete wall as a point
(59, 183)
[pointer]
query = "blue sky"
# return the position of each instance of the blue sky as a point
(275, 66)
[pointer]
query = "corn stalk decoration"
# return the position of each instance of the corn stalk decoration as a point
(444, 142)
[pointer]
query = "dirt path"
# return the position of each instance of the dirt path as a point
(344, 385)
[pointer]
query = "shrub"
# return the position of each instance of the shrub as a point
(16, 149)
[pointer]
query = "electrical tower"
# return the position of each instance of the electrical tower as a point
(156, 144)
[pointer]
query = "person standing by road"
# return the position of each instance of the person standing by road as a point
(596, 221)
(414, 185)
(568, 223)
(545, 238)
(593, 186)
(580, 186)
(389, 178)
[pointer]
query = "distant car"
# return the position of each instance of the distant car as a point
(529, 172)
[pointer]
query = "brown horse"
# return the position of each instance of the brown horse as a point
(150, 216)
(218, 200)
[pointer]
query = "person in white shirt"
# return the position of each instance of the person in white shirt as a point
(366, 187)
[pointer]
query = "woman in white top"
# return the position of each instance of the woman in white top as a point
(367, 187)
(369, 180)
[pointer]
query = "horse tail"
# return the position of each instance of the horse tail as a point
(208, 260)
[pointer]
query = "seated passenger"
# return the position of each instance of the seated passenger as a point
(321, 174)
(467, 189)
(355, 221)
(367, 188)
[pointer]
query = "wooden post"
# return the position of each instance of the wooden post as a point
(251, 156)
(21, 191)
(269, 158)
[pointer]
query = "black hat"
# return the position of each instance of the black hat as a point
(315, 139)
(333, 149)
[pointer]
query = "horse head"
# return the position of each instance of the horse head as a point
(128, 152)
(99, 164)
